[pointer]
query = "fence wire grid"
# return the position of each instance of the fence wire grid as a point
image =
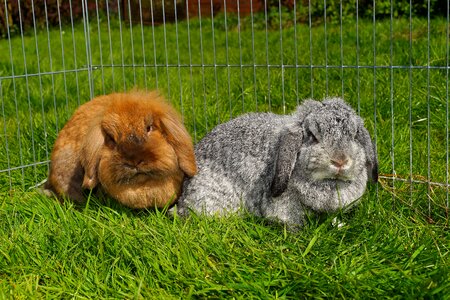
(214, 65)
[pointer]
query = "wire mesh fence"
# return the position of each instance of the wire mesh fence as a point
(217, 59)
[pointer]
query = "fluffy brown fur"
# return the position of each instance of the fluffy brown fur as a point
(133, 145)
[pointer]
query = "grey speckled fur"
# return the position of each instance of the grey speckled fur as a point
(277, 166)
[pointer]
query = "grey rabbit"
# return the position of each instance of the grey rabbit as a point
(317, 159)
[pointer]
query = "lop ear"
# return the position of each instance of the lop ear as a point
(180, 140)
(363, 137)
(289, 145)
(90, 157)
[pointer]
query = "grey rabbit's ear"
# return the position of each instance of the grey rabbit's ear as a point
(289, 144)
(363, 137)
(375, 169)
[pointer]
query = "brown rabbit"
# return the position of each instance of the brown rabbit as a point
(134, 146)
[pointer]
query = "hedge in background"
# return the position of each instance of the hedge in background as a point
(17, 15)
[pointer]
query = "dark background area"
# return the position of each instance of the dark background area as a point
(17, 16)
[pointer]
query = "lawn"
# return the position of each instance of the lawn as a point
(395, 244)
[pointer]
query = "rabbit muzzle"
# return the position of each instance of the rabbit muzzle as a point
(340, 166)
(333, 164)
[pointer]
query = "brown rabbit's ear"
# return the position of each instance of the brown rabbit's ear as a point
(90, 157)
(180, 140)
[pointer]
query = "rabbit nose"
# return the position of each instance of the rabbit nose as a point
(139, 162)
(135, 161)
(340, 162)
(134, 164)
(129, 153)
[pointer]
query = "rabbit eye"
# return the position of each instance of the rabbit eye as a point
(109, 141)
(149, 128)
(311, 138)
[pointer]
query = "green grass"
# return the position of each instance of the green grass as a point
(395, 244)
